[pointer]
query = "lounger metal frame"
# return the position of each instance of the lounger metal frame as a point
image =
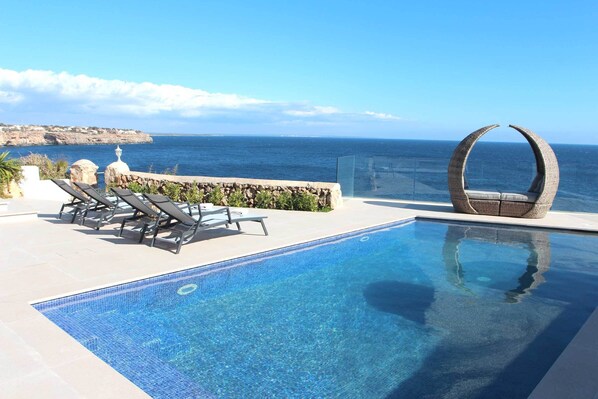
(105, 208)
(187, 226)
(78, 200)
(144, 216)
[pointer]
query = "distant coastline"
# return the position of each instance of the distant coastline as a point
(186, 134)
(33, 135)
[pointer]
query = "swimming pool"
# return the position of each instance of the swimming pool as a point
(418, 309)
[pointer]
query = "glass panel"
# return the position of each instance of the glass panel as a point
(419, 179)
(345, 175)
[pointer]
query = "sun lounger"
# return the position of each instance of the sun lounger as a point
(188, 226)
(144, 217)
(78, 202)
(103, 208)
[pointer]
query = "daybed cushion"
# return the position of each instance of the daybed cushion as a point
(483, 195)
(519, 197)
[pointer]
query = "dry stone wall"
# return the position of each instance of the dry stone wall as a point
(328, 194)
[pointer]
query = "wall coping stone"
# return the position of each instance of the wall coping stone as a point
(233, 180)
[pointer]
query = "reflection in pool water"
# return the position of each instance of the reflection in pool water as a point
(535, 242)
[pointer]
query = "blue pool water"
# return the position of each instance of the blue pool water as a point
(422, 309)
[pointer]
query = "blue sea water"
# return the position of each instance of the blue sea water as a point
(405, 169)
(422, 310)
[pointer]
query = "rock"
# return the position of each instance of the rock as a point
(335, 197)
(114, 170)
(84, 171)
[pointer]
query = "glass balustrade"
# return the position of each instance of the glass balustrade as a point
(425, 179)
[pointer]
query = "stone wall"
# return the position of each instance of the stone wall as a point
(328, 194)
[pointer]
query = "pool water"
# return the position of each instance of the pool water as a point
(420, 309)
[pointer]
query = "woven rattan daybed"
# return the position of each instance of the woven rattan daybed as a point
(533, 204)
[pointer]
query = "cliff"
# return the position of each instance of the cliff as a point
(25, 135)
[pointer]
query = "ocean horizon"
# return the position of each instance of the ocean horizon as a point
(384, 168)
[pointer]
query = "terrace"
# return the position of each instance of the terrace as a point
(45, 258)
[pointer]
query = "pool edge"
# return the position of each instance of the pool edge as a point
(573, 374)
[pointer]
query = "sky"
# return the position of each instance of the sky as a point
(396, 69)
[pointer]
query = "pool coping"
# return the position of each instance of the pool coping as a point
(573, 374)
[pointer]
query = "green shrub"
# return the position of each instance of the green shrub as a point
(47, 168)
(135, 187)
(237, 198)
(172, 191)
(284, 201)
(194, 195)
(61, 168)
(216, 196)
(149, 188)
(305, 201)
(10, 170)
(264, 199)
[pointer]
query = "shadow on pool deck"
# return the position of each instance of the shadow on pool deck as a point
(414, 206)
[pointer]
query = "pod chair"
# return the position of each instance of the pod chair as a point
(532, 204)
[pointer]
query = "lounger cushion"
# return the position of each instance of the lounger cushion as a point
(519, 197)
(483, 195)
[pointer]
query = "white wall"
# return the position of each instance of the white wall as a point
(34, 188)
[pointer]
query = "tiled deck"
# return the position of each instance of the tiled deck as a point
(47, 258)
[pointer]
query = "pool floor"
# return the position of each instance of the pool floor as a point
(424, 309)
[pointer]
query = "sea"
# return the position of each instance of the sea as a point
(376, 168)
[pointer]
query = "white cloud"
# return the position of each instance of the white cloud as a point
(120, 96)
(61, 92)
(313, 111)
(379, 115)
